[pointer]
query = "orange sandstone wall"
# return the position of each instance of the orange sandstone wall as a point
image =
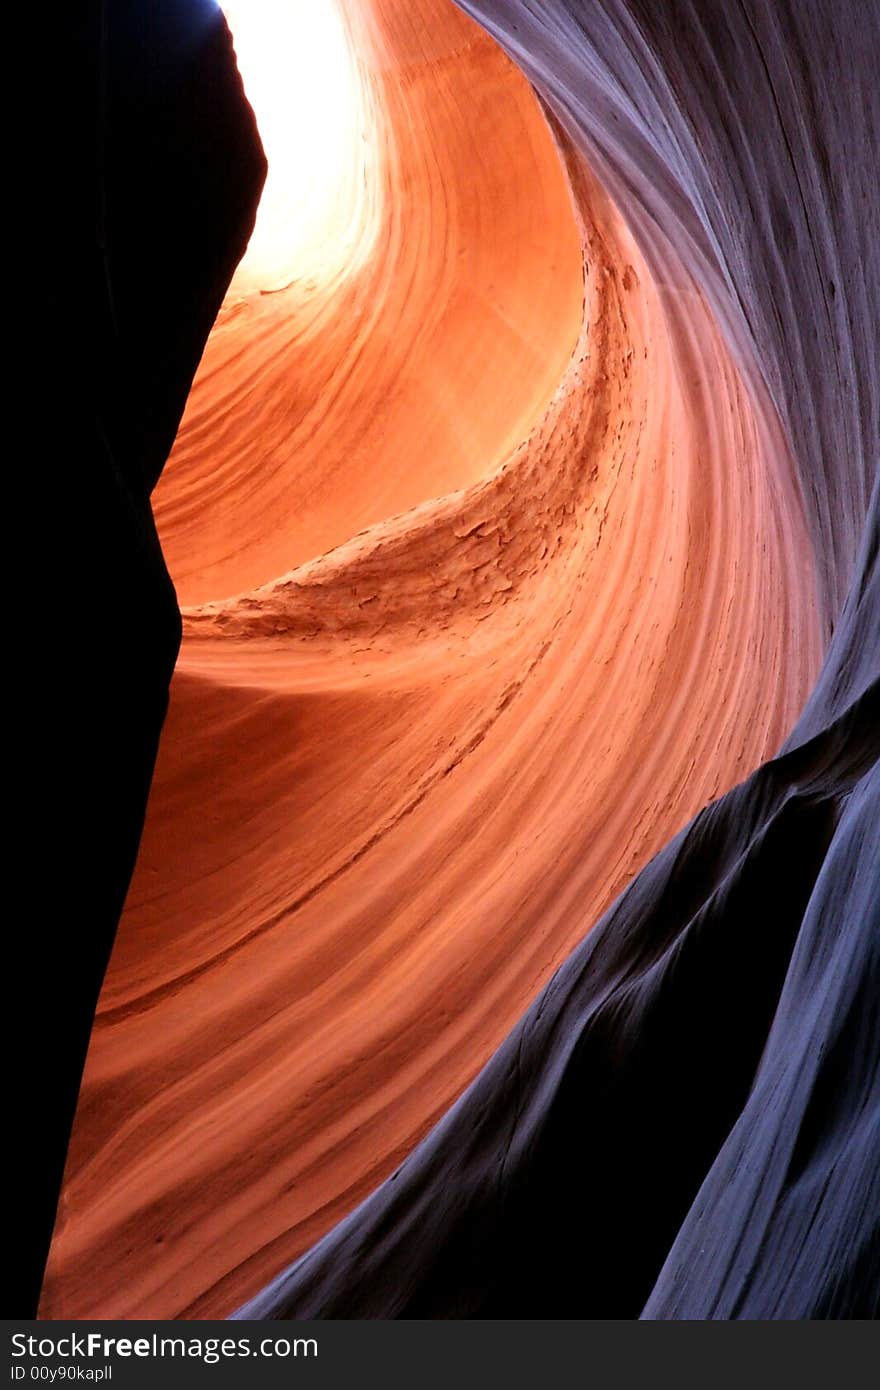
(488, 586)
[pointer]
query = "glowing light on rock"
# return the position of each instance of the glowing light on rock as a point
(302, 79)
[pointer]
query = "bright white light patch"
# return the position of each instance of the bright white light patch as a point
(301, 78)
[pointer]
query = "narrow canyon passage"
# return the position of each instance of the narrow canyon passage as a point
(494, 571)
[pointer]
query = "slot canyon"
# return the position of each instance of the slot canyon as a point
(493, 928)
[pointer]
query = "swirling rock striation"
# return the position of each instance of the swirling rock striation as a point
(687, 1120)
(507, 548)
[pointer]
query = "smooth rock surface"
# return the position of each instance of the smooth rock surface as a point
(529, 581)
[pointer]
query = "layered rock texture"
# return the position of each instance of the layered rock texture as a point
(527, 557)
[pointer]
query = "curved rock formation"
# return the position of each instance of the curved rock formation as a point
(507, 546)
(143, 174)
